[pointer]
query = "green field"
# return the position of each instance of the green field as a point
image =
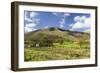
(44, 54)
(56, 44)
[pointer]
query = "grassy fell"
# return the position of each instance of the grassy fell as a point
(56, 44)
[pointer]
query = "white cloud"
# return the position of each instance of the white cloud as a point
(31, 17)
(62, 14)
(26, 18)
(80, 18)
(62, 21)
(66, 14)
(34, 18)
(46, 27)
(81, 22)
(61, 26)
(62, 17)
(55, 13)
(29, 27)
(33, 14)
(33, 21)
(77, 25)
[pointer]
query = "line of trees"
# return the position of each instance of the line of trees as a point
(48, 40)
(44, 40)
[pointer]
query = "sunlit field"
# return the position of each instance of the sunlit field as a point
(44, 54)
(66, 45)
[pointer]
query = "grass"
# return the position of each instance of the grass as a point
(56, 45)
(51, 53)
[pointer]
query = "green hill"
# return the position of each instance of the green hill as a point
(56, 32)
(56, 44)
(56, 35)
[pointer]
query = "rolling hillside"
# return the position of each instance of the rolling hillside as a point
(57, 33)
(56, 44)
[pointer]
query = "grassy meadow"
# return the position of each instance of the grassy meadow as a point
(56, 44)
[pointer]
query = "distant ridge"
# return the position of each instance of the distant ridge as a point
(66, 34)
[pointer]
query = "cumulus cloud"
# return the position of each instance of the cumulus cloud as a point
(66, 14)
(63, 14)
(63, 19)
(30, 27)
(77, 25)
(80, 18)
(33, 14)
(26, 17)
(31, 17)
(81, 22)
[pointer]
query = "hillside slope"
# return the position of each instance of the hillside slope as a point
(56, 32)
(56, 44)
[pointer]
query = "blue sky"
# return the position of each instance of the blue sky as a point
(34, 20)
